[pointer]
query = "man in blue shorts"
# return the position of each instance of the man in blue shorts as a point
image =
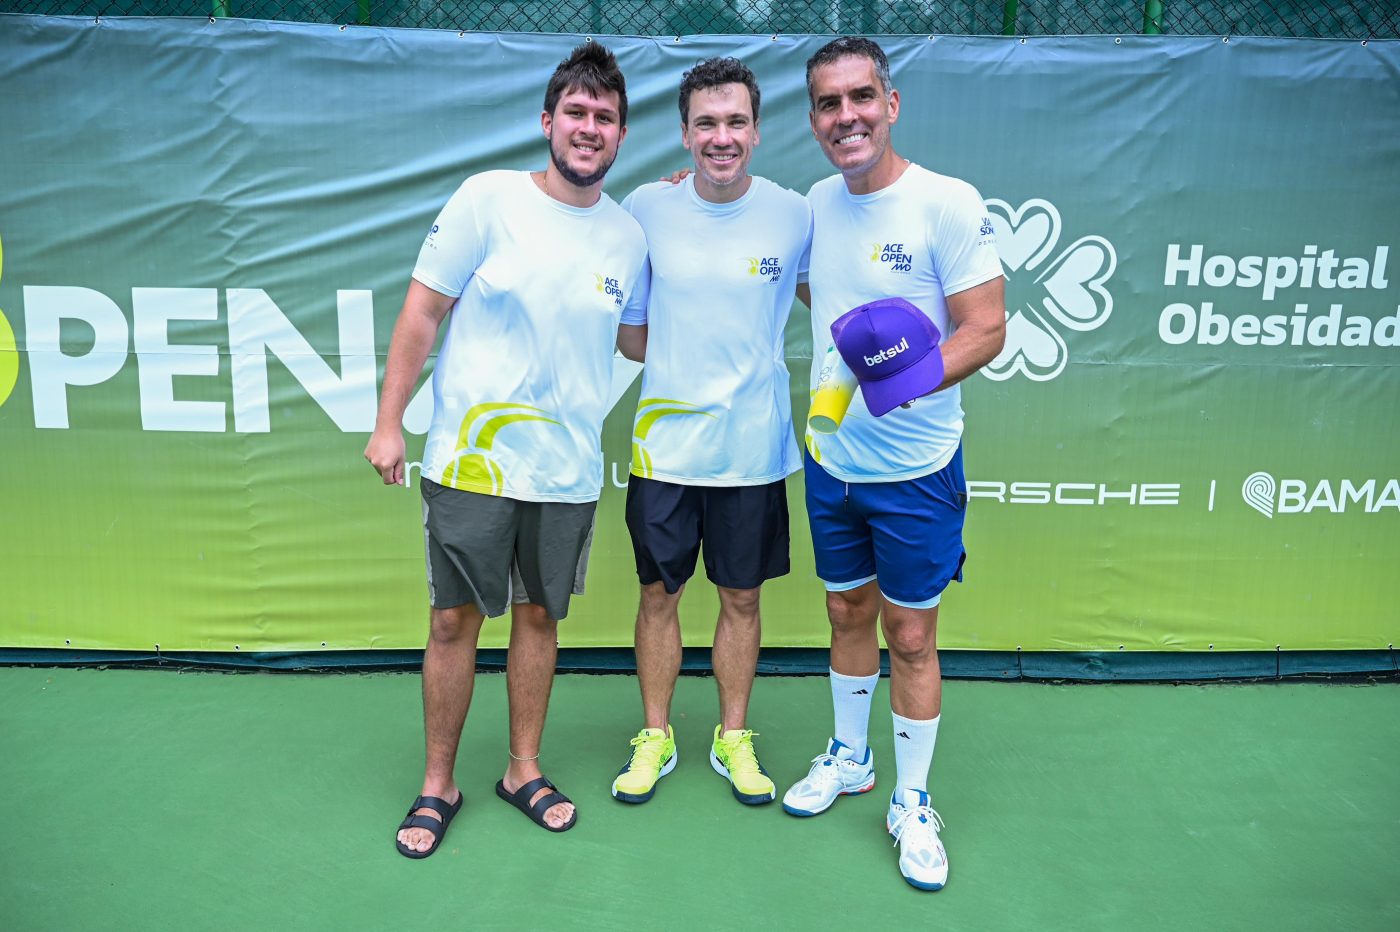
(885, 495)
(713, 442)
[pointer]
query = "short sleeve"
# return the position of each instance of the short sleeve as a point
(963, 242)
(454, 247)
(805, 262)
(634, 312)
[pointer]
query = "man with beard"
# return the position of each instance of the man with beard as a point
(898, 250)
(535, 269)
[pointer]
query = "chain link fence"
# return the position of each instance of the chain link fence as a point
(1361, 19)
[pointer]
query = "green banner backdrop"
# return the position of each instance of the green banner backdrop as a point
(1189, 443)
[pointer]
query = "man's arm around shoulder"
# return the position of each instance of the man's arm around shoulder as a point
(632, 341)
(414, 334)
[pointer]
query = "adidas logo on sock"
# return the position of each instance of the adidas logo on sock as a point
(861, 692)
(903, 734)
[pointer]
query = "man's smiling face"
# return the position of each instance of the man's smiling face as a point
(852, 115)
(720, 133)
(584, 132)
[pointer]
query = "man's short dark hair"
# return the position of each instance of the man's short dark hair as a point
(844, 47)
(712, 72)
(590, 68)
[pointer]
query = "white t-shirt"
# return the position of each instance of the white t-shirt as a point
(922, 238)
(715, 407)
(520, 388)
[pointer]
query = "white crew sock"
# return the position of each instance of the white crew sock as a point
(850, 697)
(913, 751)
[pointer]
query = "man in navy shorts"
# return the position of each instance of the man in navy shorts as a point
(885, 492)
(712, 443)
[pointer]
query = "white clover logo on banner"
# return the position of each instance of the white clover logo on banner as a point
(1046, 298)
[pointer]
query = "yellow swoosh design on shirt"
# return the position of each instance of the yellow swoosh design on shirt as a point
(649, 411)
(474, 469)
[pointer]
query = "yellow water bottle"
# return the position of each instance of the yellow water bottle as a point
(836, 386)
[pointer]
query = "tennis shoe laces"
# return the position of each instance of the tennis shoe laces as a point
(836, 772)
(915, 826)
(733, 757)
(653, 756)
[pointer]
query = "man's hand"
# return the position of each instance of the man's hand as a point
(676, 177)
(414, 333)
(385, 453)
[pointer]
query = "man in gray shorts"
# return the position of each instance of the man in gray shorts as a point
(534, 269)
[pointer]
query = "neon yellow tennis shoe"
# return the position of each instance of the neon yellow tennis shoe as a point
(653, 756)
(733, 758)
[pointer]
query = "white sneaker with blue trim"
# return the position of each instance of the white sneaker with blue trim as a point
(915, 826)
(834, 773)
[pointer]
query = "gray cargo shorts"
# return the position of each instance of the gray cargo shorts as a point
(491, 551)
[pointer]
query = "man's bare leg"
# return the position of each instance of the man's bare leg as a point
(855, 650)
(916, 682)
(449, 670)
(530, 662)
(658, 649)
(738, 633)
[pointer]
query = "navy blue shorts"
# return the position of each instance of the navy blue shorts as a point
(744, 530)
(907, 534)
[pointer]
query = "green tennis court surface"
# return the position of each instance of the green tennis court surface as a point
(160, 800)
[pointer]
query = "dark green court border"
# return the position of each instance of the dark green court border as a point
(1047, 666)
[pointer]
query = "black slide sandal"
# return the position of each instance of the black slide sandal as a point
(520, 799)
(437, 826)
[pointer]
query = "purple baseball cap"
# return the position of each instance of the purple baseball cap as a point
(892, 347)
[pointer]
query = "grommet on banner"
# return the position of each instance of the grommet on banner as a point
(462, 34)
(1118, 40)
(1363, 43)
(773, 38)
(67, 642)
(1023, 40)
(323, 643)
(342, 27)
(678, 39)
(1210, 647)
(236, 647)
(1225, 39)
(587, 39)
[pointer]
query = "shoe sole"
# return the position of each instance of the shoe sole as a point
(635, 798)
(805, 813)
(920, 885)
(745, 798)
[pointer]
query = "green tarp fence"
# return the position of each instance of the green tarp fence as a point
(1190, 443)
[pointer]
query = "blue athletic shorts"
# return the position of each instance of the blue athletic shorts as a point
(906, 534)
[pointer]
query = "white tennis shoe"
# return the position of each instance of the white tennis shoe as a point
(834, 773)
(915, 826)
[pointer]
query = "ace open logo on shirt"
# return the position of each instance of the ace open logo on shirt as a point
(893, 256)
(768, 267)
(610, 287)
